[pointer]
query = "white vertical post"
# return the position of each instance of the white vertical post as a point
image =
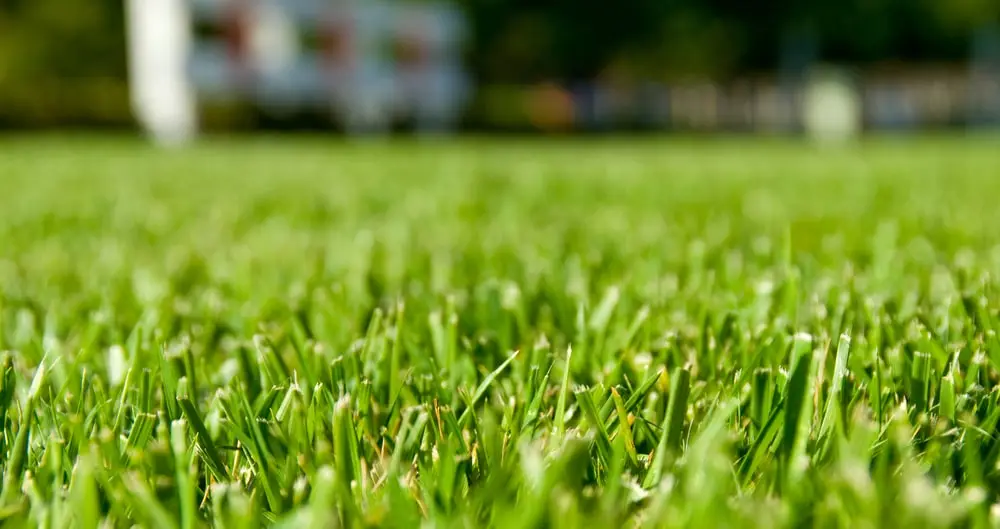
(831, 107)
(159, 40)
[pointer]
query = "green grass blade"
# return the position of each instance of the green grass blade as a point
(673, 426)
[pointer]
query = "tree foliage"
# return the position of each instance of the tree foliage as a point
(65, 59)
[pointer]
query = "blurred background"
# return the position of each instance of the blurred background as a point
(179, 67)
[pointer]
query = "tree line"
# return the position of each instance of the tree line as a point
(64, 61)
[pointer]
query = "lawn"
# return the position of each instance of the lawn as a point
(305, 332)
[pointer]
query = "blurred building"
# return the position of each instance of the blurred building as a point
(366, 64)
(439, 65)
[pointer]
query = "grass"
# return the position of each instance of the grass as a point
(648, 333)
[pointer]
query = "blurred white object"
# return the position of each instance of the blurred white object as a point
(273, 38)
(159, 41)
(831, 110)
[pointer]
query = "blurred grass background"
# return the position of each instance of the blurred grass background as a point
(84, 212)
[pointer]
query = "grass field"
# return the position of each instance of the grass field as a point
(587, 333)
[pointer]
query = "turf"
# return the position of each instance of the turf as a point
(564, 333)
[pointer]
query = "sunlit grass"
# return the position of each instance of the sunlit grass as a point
(592, 333)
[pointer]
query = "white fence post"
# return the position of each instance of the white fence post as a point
(159, 39)
(831, 106)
